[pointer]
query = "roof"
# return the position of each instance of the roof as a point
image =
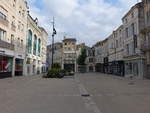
(138, 5)
(69, 39)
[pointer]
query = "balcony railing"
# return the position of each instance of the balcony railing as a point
(4, 21)
(6, 45)
(145, 46)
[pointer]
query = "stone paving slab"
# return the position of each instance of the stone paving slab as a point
(106, 94)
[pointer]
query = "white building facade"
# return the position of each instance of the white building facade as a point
(13, 21)
(36, 48)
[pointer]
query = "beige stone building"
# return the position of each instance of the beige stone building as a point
(36, 47)
(44, 40)
(65, 53)
(69, 57)
(115, 51)
(101, 55)
(13, 21)
(119, 42)
(145, 33)
(133, 22)
(111, 48)
(90, 60)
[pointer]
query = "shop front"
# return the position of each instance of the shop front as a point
(19, 67)
(99, 67)
(6, 64)
(70, 67)
(116, 68)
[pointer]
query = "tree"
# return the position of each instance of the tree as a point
(81, 59)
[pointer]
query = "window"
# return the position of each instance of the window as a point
(127, 33)
(127, 49)
(23, 13)
(148, 17)
(132, 15)
(14, 3)
(18, 43)
(91, 59)
(19, 25)
(135, 41)
(5, 64)
(29, 45)
(69, 48)
(22, 43)
(116, 43)
(132, 29)
(12, 39)
(2, 34)
(22, 28)
(35, 45)
(39, 47)
(126, 20)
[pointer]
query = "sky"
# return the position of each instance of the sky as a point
(88, 21)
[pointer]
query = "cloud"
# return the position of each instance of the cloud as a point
(87, 20)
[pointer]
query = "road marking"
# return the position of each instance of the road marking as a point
(88, 101)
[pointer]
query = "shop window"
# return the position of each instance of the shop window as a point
(5, 64)
(19, 65)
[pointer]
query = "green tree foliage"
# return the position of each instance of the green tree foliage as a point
(81, 59)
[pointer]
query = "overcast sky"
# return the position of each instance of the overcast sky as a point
(88, 21)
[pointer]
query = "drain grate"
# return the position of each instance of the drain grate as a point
(85, 95)
(131, 83)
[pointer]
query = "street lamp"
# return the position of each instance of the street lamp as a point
(53, 34)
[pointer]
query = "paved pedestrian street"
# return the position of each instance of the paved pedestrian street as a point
(83, 93)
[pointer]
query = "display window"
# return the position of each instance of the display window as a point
(5, 64)
(19, 65)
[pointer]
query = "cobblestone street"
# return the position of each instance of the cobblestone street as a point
(83, 93)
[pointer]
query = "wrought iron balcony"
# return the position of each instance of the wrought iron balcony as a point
(4, 21)
(6, 45)
(145, 46)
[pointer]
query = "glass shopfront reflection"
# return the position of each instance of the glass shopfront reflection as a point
(5, 66)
